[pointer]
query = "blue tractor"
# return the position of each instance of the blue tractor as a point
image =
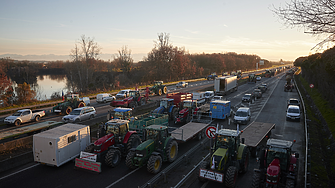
(121, 113)
(167, 106)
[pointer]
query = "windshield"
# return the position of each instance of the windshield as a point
(241, 114)
(293, 102)
(112, 129)
(279, 153)
(293, 110)
(132, 94)
(246, 96)
(17, 114)
(207, 94)
(163, 103)
(122, 92)
(118, 115)
(187, 104)
(152, 134)
(224, 141)
(75, 112)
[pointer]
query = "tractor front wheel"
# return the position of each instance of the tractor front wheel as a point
(89, 148)
(133, 141)
(129, 160)
(81, 104)
(68, 110)
(113, 157)
(231, 176)
(172, 151)
(256, 179)
(164, 90)
(154, 164)
(159, 92)
(132, 105)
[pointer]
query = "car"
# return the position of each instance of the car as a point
(248, 98)
(257, 93)
(293, 101)
(209, 95)
(258, 78)
(242, 115)
(182, 84)
(80, 114)
(262, 88)
(122, 94)
(293, 113)
(105, 97)
(265, 85)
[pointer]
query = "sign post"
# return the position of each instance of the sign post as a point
(311, 86)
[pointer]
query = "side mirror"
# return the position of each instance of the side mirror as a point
(242, 140)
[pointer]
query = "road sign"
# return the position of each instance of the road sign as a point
(210, 132)
(311, 85)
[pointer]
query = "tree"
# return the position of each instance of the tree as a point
(24, 93)
(316, 17)
(6, 90)
(124, 59)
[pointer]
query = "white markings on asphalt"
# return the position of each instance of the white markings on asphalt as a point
(122, 178)
(18, 171)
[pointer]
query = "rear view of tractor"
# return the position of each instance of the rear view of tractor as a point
(159, 88)
(228, 158)
(167, 106)
(278, 165)
(159, 147)
(252, 78)
(71, 102)
(186, 114)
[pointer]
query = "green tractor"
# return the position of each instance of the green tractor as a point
(158, 147)
(159, 88)
(228, 158)
(71, 102)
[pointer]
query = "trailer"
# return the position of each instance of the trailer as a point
(220, 109)
(256, 135)
(200, 97)
(61, 144)
(179, 97)
(224, 85)
(188, 131)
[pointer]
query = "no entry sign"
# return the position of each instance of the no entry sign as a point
(311, 85)
(210, 132)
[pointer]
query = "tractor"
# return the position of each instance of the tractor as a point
(166, 105)
(185, 115)
(115, 141)
(71, 102)
(252, 78)
(158, 147)
(135, 99)
(278, 165)
(159, 88)
(228, 157)
(121, 113)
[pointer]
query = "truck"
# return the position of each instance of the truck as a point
(61, 144)
(278, 165)
(71, 102)
(225, 85)
(136, 98)
(23, 116)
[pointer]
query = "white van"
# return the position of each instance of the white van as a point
(104, 97)
(242, 115)
(209, 95)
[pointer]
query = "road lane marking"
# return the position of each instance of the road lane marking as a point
(18, 171)
(122, 178)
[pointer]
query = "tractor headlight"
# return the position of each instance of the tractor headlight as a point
(139, 155)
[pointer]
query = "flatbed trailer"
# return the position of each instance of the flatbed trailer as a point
(256, 135)
(189, 131)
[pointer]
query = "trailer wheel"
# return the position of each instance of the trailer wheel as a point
(113, 157)
(164, 90)
(133, 141)
(256, 180)
(89, 148)
(154, 164)
(231, 176)
(37, 118)
(129, 160)
(172, 151)
(244, 163)
(17, 123)
(203, 165)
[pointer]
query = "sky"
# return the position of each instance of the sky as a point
(29, 27)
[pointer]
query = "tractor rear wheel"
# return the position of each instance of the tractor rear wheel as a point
(129, 160)
(174, 113)
(244, 162)
(132, 105)
(164, 90)
(68, 110)
(289, 183)
(256, 180)
(89, 148)
(133, 141)
(113, 157)
(231, 176)
(172, 151)
(154, 164)
(142, 101)
(159, 92)
(203, 165)
(81, 104)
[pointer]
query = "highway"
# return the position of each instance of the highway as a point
(270, 108)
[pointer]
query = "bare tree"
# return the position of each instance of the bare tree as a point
(124, 59)
(316, 17)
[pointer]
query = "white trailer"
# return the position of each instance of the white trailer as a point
(200, 97)
(61, 144)
(224, 85)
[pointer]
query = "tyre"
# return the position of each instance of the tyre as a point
(203, 165)
(131, 105)
(89, 148)
(164, 90)
(172, 151)
(91, 116)
(129, 160)
(256, 180)
(289, 183)
(77, 121)
(113, 157)
(133, 141)
(159, 92)
(174, 114)
(68, 110)
(17, 123)
(231, 176)
(142, 101)
(37, 118)
(154, 164)
(81, 104)
(244, 162)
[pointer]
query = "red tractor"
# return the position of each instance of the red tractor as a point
(185, 115)
(278, 165)
(135, 99)
(115, 141)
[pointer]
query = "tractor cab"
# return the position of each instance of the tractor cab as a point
(156, 132)
(158, 83)
(185, 114)
(122, 113)
(134, 94)
(278, 153)
(118, 128)
(166, 102)
(190, 104)
(70, 96)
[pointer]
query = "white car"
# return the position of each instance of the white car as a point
(182, 84)
(293, 113)
(105, 97)
(80, 114)
(122, 94)
(258, 78)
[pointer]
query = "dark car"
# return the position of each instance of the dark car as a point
(265, 85)
(262, 88)
(257, 93)
(293, 101)
(248, 98)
